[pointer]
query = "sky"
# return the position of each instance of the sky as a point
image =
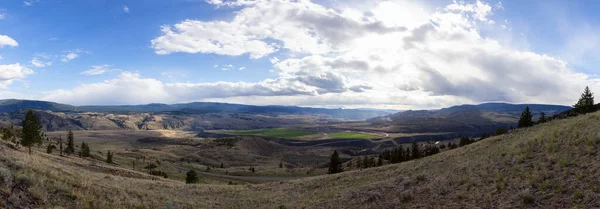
(395, 54)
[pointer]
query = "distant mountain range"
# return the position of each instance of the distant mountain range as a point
(12, 105)
(462, 119)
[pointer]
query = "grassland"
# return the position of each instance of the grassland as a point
(350, 135)
(553, 165)
(274, 132)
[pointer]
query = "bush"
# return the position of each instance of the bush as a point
(191, 177)
(6, 177)
(159, 173)
(526, 197)
(150, 166)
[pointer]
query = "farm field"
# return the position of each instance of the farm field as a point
(274, 132)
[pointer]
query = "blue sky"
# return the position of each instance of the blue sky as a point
(384, 54)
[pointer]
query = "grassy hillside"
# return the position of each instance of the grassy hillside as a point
(553, 165)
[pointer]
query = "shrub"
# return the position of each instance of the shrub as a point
(191, 177)
(159, 173)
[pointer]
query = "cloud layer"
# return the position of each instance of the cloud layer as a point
(392, 54)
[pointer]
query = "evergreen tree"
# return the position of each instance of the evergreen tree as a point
(358, 162)
(366, 162)
(109, 157)
(400, 155)
(379, 162)
(335, 166)
(85, 150)
(464, 141)
(416, 154)
(585, 103)
(70, 143)
(60, 145)
(50, 148)
(501, 130)
(7, 134)
(191, 177)
(542, 118)
(32, 131)
(280, 164)
(526, 119)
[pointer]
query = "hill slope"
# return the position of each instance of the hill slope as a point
(471, 120)
(13, 105)
(553, 165)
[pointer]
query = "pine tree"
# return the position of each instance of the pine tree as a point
(464, 141)
(366, 162)
(526, 119)
(400, 155)
(379, 162)
(335, 166)
(32, 131)
(109, 157)
(585, 103)
(542, 118)
(358, 162)
(416, 154)
(7, 134)
(85, 150)
(191, 177)
(60, 145)
(70, 143)
(50, 148)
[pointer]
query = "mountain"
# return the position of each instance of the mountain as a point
(551, 165)
(471, 120)
(12, 105)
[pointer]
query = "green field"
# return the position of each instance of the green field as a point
(274, 132)
(350, 135)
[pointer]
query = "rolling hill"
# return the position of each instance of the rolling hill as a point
(551, 165)
(12, 105)
(470, 120)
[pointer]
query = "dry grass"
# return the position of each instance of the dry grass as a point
(554, 165)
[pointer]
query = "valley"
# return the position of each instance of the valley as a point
(544, 166)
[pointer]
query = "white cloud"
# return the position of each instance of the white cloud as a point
(10, 73)
(126, 9)
(41, 60)
(69, 56)
(73, 54)
(2, 15)
(98, 70)
(371, 56)
(30, 2)
(7, 41)
(265, 27)
(131, 88)
(242, 68)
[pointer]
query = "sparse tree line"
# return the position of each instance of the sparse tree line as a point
(32, 134)
(396, 155)
(584, 105)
